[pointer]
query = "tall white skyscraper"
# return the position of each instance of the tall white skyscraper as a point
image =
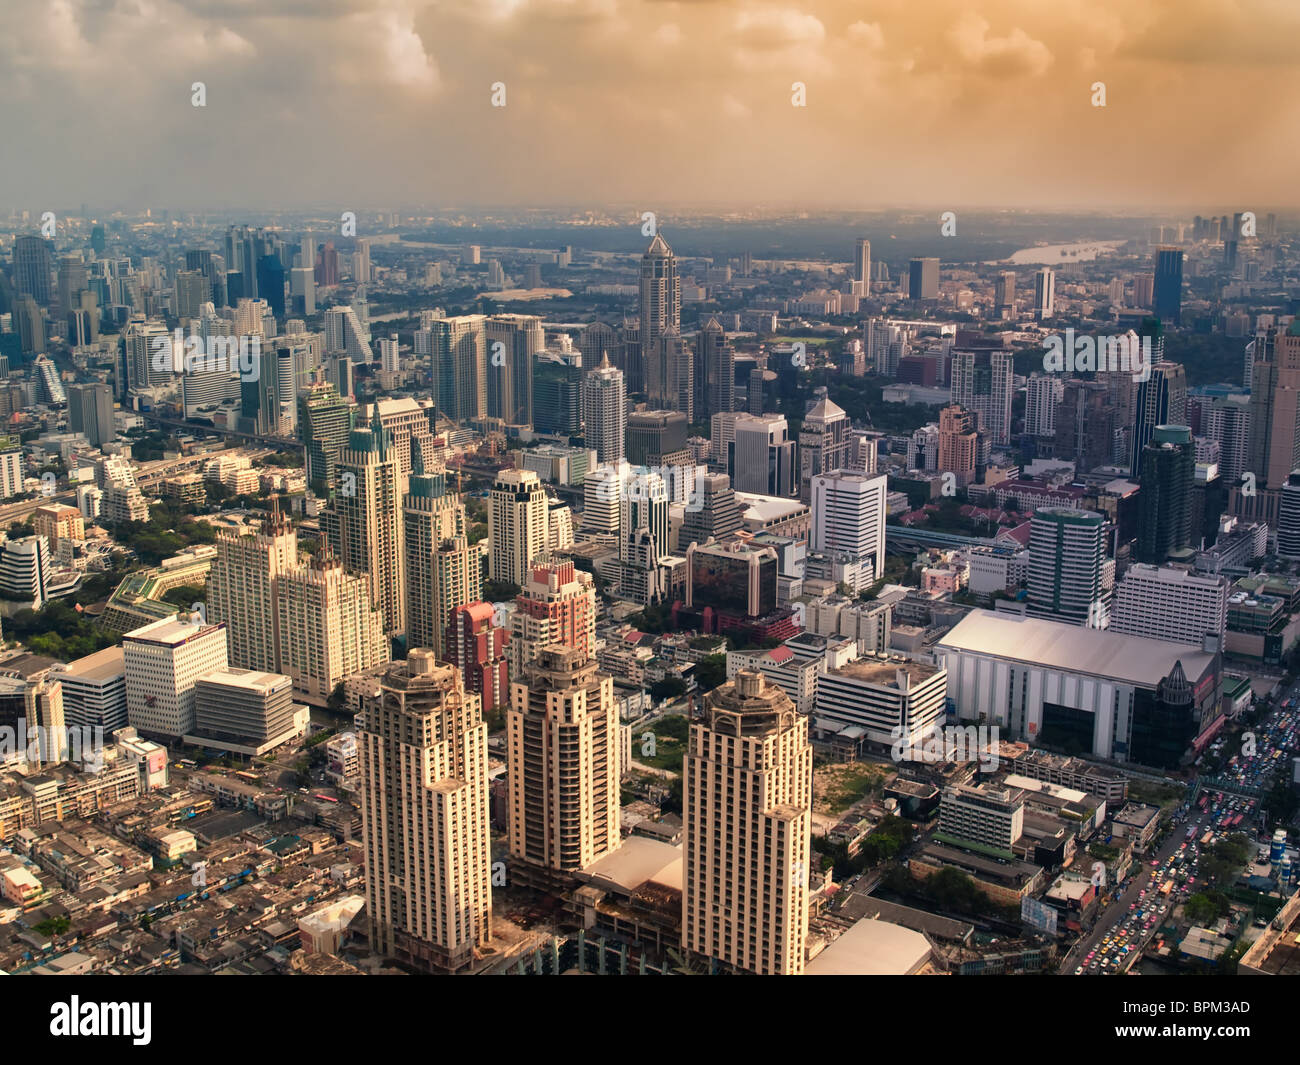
(604, 411)
(862, 267)
(1044, 293)
(848, 515)
(1043, 394)
(517, 510)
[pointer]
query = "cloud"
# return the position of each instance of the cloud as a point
(1015, 54)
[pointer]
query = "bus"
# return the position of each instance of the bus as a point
(1166, 887)
(325, 798)
(1205, 839)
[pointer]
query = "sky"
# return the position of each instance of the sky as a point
(653, 103)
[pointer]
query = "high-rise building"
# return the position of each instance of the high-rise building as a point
(424, 816)
(656, 438)
(958, 444)
(556, 606)
(33, 268)
(459, 365)
(325, 423)
(713, 513)
(1043, 394)
(1167, 295)
(94, 691)
(1004, 301)
(245, 707)
(923, 279)
(762, 456)
(242, 590)
(563, 757)
(1168, 475)
(983, 381)
(43, 704)
(715, 371)
(823, 441)
(747, 812)
(363, 526)
(1085, 425)
(557, 392)
(1067, 555)
(1226, 421)
(476, 646)
(1044, 293)
(328, 627)
(862, 266)
(517, 511)
(661, 293)
(90, 412)
(668, 374)
(346, 334)
(1288, 518)
(1275, 406)
(604, 411)
(848, 515)
(442, 570)
(1170, 603)
(1161, 400)
(164, 660)
(513, 341)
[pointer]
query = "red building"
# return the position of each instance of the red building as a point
(477, 648)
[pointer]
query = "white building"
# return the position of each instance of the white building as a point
(164, 660)
(848, 516)
(882, 696)
(1168, 603)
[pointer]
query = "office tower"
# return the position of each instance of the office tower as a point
(1004, 301)
(442, 570)
(25, 570)
(862, 267)
(1045, 293)
(33, 268)
(361, 261)
(241, 590)
(1161, 400)
(459, 365)
(245, 707)
(73, 280)
(747, 811)
(983, 381)
(302, 289)
(1168, 473)
(644, 510)
(328, 627)
(668, 370)
(602, 494)
(1167, 293)
(712, 513)
(1144, 286)
(557, 392)
(823, 441)
(270, 283)
(604, 411)
(58, 522)
(1067, 556)
(90, 412)
(476, 646)
(94, 691)
(848, 515)
(715, 371)
(29, 324)
(1275, 406)
(345, 334)
(193, 290)
(736, 580)
(556, 606)
(958, 444)
(656, 438)
(661, 294)
(1169, 603)
(516, 525)
(324, 423)
(163, 661)
(563, 758)
(762, 457)
(1288, 518)
(326, 265)
(241, 262)
(363, 526)
(1043, 394)
(1226, 421)
(424, 816)
(923, 279)
(598, 340)
(1085, 425)
(408, 422)
(512, 342)
(390, 354)
(46, 728)
(982, 817)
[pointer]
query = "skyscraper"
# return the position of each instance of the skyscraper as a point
(34, 268)
(1161, 400)
(1167, 296)
(604, 411)
(324, 422)
(163, 661)
(242, 590)
(1275, 406)
(747, 810)
(958, 444)
(556, 606)
(715, 371)
(513, 341)
(442, 570)
(1043, 394)
(90, 412)
(363, 525)
(983, 382)
(923, 279)
(1067, 552)
(661, 293)
(476, 646)
(862, 267)
(1004, 303)
(762, 457)
(459, 365)
(424, 787)
(848, 515)
(563, 762)
(516, 525)
(1168, 474)
(1044, 293)
(823, 442)
(712, 513)
(557, 392)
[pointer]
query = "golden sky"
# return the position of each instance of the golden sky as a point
(654, 102)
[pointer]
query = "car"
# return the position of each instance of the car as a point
(1078, 971)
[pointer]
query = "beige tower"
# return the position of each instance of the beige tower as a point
(563, 734)
(242, 588)
(424, 794)
(747, 798)
(516, 525)
(442, 570)
(364, 525)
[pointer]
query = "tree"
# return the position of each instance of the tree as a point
(710, 671)
(668, 688)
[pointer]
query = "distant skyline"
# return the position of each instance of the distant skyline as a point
(388, 103)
